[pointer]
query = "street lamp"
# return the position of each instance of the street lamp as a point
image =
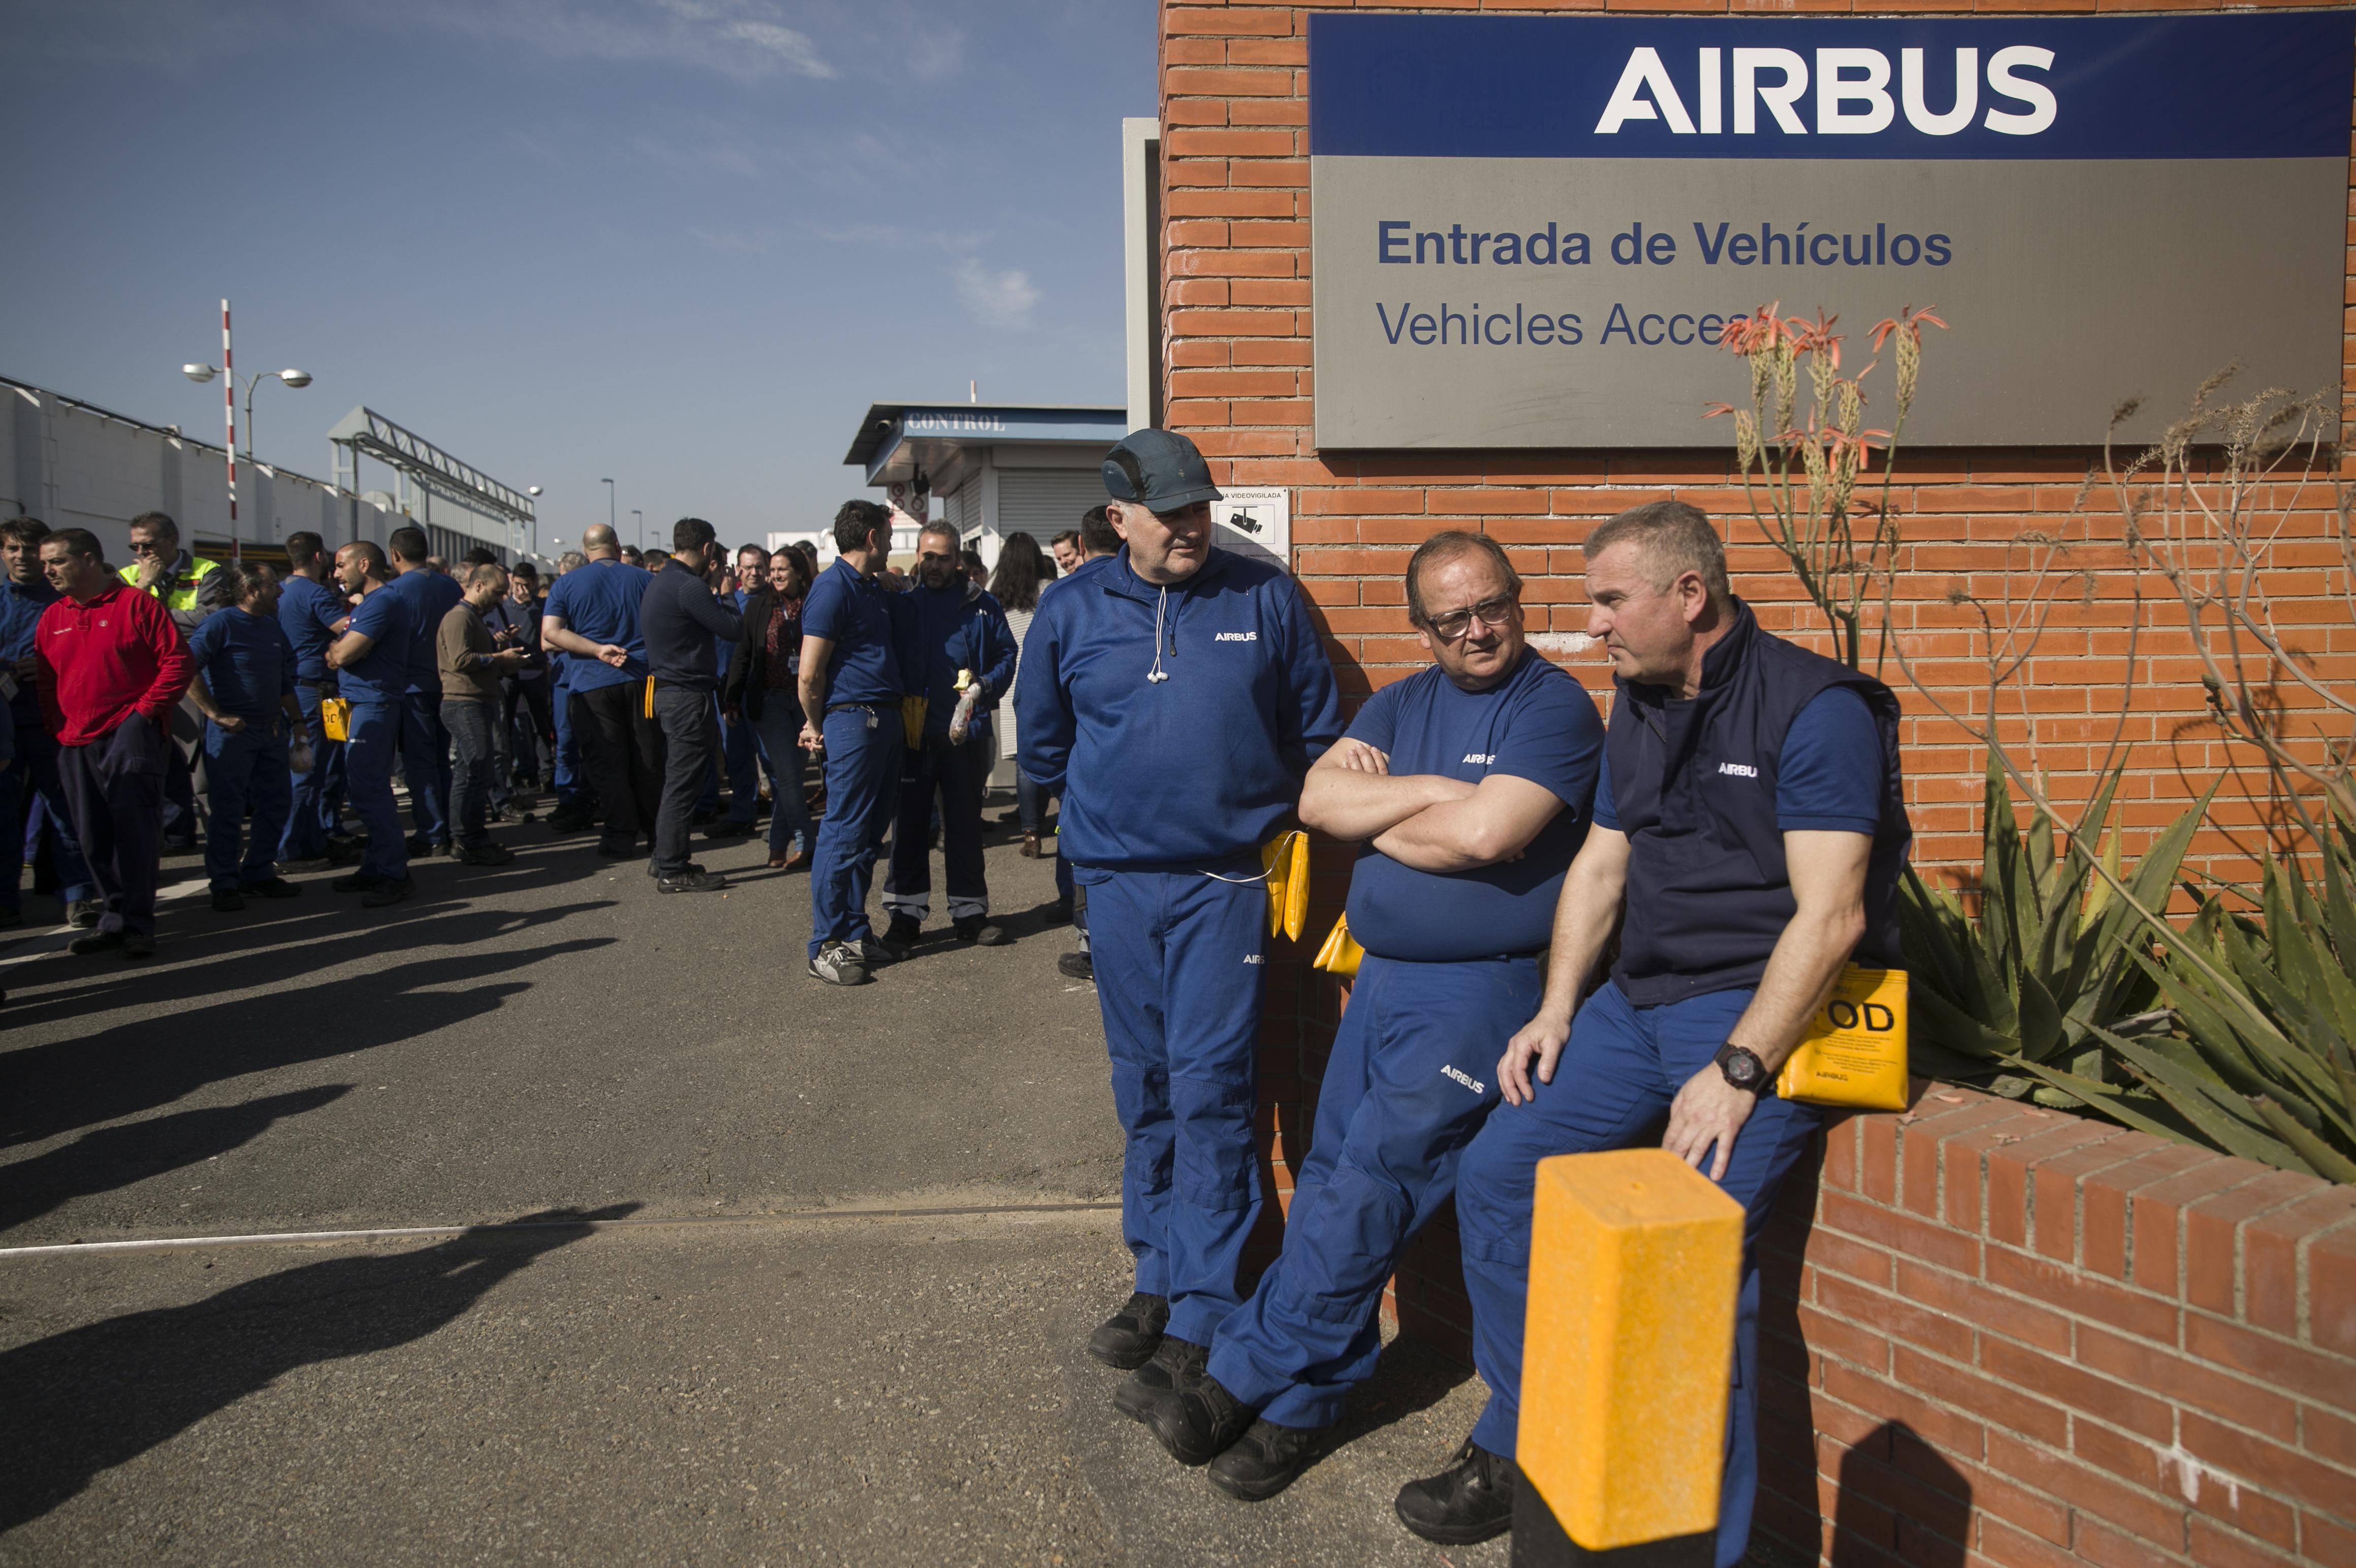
(200, 374)
(533, 491)
(641, 526)
(610, 519)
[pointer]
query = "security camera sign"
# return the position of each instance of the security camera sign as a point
(1256, 523)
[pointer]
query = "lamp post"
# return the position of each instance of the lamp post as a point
(533, 491)
(611, 519)
(640, 525)
(202, 373)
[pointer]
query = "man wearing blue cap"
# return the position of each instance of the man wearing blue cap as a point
(1175, 697)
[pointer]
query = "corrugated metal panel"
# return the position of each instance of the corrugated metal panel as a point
(1044, 502)
(964, 506)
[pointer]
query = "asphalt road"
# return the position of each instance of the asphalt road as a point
(783, 1366)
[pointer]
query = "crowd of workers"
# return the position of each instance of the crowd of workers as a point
(1513, 1001)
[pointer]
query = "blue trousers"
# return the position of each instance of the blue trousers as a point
(318, 795)
(1412, 1080)
(375, 735)
(778, 731)
(740, 755)
(566, 778)
(245, 770)
(1612, 1089)
(30, 780)
(425, 758)
(862, 782)
(1179, 978)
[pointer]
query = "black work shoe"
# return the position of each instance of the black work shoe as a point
(96, 942)
(694, 879)
(388, 892)
(137, 945)
(357, 882)
(980, 931)
(421, 846)
(1060, 912)
(1129, 1338)
(1076, 965)
(726, 829)
(1265, 1460)
(309, 863)
(275, 888)
(570, 819)
(1200, 1422)
(228, 901)
(618, 848)
(484, 854)
(83, 915)
(899, 939)
(1176, 1363)
(1472, 1500)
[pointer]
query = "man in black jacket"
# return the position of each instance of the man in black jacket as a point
(680, 617)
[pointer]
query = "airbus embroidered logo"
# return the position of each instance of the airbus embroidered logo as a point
(1740, 769)
(1236, 638)
(1479, 758)
(1251, 958)
(1472, 1083)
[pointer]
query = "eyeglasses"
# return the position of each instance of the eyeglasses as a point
(149, 546)
(1494, 611)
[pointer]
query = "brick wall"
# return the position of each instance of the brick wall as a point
(1235, 315)
(2000, 1335)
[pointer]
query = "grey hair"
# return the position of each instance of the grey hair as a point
(1671, 539)
(570, 561)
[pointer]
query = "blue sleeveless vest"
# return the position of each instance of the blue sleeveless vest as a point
(1694, 783)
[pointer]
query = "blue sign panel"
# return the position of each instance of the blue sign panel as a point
(1574, 86)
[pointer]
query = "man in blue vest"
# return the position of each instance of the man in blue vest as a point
(1175, 697)
(1467, 788)
(949, 628)
(1750, 834)
(430, 593)
(312, 613)
(850, 688)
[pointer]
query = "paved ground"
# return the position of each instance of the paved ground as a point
(552, 1040)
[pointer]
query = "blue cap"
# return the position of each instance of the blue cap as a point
(1159, 469)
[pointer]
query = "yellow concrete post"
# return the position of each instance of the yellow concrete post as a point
(1635, 1262)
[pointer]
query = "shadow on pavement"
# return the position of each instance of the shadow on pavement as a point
(89, 1399)
(49, 1089)
(118, 1157)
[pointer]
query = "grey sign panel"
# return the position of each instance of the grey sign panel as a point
(1530, 231)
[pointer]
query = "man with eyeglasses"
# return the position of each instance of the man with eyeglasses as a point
(1467, 788)
(164, 571)
(1175, 697)
(1749, 835)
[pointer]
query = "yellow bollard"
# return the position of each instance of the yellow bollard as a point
(1635, 1258)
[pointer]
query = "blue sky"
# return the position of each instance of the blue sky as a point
(682, 242)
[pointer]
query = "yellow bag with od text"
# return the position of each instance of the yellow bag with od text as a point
(335, 718)
(1853, 1055)
(1286, 859)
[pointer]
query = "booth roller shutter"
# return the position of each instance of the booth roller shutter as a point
(1044, 502)
(962, 508)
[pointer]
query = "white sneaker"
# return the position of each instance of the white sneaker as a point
(839, 964)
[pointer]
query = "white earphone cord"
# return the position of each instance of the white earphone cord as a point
(1157, 675)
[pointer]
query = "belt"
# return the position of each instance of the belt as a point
(870, 706)
(328, 685)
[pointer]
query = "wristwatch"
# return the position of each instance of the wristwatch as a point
(1742, 1069)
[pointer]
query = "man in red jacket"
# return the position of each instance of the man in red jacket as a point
(110, 666)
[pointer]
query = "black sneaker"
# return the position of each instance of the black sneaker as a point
(1472, 1500)
(275, 888)
(357, 882)
(899, 939)
(96, 942)
(1176, 1362)
(1200, 1422)
(136, 946)
(1265, 1460)
(309, 863)
(228, 901)
(391, 892)
(1129, 1338)
(980, 931)
(729, 830)
(838, 963)
(484, 854)
(1076, 965)
(694, 879)
(421, 846)
(569, 819)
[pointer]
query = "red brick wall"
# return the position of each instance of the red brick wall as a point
(2008, 1336)
(1237, 322)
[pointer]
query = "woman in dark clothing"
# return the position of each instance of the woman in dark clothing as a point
(1023, 568)
(760, 691)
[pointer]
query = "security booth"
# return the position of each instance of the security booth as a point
(989, 469)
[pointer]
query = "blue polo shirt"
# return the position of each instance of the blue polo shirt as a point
(383, 615)
(600, 602)
(430, 596)
(846, 607)
(308, 614)
(1823, 782)
(1536, 724)
(246, 662)
(21, 604)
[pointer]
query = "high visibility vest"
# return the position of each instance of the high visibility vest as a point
(183, 597)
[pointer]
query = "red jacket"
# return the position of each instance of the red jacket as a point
(95, 663)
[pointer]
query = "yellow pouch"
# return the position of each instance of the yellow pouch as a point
(1854, 1053)
(335, 718)
(1286, 859)
(1341, 952)
(650, 697)
(912, 719)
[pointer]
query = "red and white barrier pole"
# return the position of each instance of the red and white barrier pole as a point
(228, 415)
